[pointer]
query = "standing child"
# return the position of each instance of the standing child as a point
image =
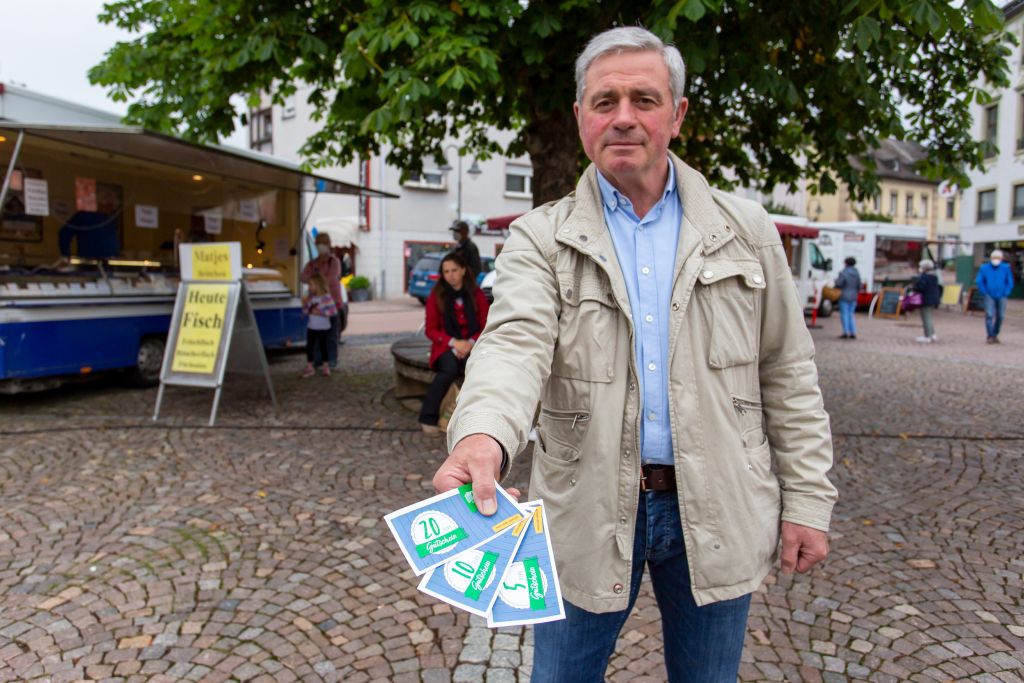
(319, 305)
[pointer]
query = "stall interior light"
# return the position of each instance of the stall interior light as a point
(145, 263)
(196, 177)
(3, 138)
(248, 265)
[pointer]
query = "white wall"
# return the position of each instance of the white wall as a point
(1005, 170)
(418, 215)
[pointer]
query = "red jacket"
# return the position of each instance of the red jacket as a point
(436, 333)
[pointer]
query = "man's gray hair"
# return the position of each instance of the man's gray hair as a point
(631, 39)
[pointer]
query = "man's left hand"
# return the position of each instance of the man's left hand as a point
(802, 547)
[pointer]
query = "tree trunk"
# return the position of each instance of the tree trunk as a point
(553, 143)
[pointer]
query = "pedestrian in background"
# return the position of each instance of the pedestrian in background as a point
(318, 306)
(927, 284)
(995, 280)
(848, 281)
(327, 266)
(466, 248)
(681, 427)
(456, 314)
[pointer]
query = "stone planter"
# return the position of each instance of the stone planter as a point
(359, 294)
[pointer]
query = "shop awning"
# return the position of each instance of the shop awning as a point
(226, 162)
(341, 229)
(790, 230)
(502, 222)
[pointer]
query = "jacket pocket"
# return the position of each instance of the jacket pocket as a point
(587, 333)
(731, 292)
(751, 420)
(561, 432)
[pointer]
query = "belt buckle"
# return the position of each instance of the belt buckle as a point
(643, 480)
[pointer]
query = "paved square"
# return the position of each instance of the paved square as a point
(255, 550)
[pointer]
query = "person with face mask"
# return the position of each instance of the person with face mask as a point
(995, 281)
(328, 266)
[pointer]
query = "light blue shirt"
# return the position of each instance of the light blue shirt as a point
(646, 249)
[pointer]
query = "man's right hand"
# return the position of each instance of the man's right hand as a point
(477, 459)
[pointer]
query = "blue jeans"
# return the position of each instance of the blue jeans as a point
(846, 309)
(701, 644)
(995, 311)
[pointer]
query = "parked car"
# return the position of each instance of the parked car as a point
(424, 274)
(487, 285)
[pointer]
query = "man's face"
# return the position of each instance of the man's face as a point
(627, 119)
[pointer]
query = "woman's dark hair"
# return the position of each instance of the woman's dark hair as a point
(439, 292)
(850, 261)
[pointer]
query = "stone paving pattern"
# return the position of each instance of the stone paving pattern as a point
(255, 550)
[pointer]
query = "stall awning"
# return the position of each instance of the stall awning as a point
(502, 222)
(226, 162)
(790, 230)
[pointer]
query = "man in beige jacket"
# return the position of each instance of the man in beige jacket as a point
(681, 426)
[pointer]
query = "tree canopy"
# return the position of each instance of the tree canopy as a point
(778, 91)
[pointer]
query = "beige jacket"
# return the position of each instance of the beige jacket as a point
(751, 436)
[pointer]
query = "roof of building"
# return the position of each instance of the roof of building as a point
(228, 162)
(897, 160)
(1012, 9)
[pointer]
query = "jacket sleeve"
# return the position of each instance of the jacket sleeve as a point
(512, 361)
(434, 328)
(307, 272)
(840, 280)
(979, 280)
(798, 426)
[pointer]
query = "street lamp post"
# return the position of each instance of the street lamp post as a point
(474, 170)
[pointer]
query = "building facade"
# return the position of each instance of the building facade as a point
(393, 233)
(993, 215)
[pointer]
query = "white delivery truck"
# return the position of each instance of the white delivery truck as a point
(886, 254)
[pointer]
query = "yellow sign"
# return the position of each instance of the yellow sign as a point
(951, 295)
(211, 262)
(203, 317)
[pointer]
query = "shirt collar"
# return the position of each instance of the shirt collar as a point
(612, 198)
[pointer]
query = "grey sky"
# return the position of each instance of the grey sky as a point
(49, 46)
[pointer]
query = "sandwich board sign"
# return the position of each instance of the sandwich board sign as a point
(213, 328)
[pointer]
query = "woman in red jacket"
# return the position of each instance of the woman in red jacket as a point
(456, 314)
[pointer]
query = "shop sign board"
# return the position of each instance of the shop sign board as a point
(213, 327)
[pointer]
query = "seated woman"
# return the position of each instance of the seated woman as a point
(456, 314)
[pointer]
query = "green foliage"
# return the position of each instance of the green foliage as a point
(778, 209)
(872, 217)
(777, 91)
(359, 282)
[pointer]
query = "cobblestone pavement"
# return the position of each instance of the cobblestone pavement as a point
(133, 550)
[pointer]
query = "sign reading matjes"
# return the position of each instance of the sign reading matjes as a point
(218, 262)
(201, 328)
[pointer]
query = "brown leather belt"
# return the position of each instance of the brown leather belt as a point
(657, 478)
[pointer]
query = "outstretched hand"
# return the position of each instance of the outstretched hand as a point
(802, 547)
(476, 459)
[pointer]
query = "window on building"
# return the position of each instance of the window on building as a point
(1020, 124)
(894, 205)
(877, 203)
(924, 206)
(288, 109)
(910, 205)
(261, 131)
(427, 180)
(987, 205)
(951, 207)
(519, 181)
(991, 127)
(1018, 201)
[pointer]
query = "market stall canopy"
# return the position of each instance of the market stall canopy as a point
(790, 230)
(341, 229)
(502, 222)
(212, 160)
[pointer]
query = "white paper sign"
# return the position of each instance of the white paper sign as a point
(212, 221)
(147, 216)
(37, 197)
(249, 210)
